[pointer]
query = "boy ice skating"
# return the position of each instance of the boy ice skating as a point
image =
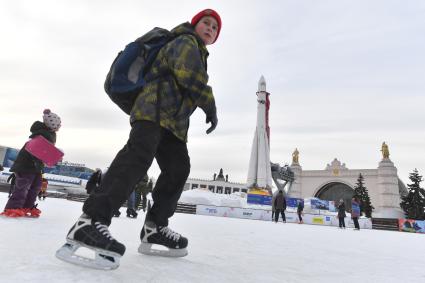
(176, 84)
(28, 170)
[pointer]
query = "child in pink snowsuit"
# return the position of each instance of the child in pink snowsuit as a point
(28, 170)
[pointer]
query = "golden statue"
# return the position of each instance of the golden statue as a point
(385, 150)
(295, 155)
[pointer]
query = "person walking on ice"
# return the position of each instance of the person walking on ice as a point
(280, 206)
(300, 208)
(355, 212)
(341, 214)
(176, 84)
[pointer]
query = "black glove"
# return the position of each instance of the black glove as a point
(212, 118)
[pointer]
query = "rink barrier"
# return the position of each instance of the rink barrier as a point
(181, 207)
(412, 225)
(390, 224)
(266, 215)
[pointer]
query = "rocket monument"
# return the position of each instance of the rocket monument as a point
(259, 179)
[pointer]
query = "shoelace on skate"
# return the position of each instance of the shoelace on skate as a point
(169, 233)
(104, 230)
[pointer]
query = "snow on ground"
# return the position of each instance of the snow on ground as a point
(220, 250)
(206, 197)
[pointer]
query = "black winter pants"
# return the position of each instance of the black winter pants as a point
(276, 215)
(147, 141)
(356, 222)
(341, 222)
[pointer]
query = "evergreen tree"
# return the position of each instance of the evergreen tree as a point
(362, 194)
(367, 204)
(413, 204)
(358, 188)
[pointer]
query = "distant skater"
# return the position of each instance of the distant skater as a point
(11, 179)
(341, 214)
(43, 192)
(355, 213)
(280, 206)
(93, 183)
(300, 208)
(131, 205)
(143, 188)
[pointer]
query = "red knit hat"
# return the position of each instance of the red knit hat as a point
(211, 13)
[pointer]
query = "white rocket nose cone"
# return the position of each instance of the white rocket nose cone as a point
(262, 84)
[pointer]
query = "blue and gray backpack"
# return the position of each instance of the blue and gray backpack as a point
(126, 75)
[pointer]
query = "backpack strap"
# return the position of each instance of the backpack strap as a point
(158, 104)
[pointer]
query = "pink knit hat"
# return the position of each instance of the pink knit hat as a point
(51, 120)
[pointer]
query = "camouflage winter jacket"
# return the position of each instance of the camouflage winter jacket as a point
(179, 78)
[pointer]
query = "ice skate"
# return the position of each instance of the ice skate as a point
(32, 212)
(131, 213)
(116, 213)
(13, 212)
(163, 237)
(96, 237)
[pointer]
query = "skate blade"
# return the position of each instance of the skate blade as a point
(104, 260)
(146, 249)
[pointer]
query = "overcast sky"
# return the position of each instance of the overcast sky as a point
(344, 76)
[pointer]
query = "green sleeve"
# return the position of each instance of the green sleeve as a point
(187, 66)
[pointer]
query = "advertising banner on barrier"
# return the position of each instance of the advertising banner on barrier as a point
(364, 223)
(332, 207)
(291, 217)
(319, 204)
(210, 210)
(234, 212)
(314, 219)
(410, 225)
(259, 199)
(293, 202)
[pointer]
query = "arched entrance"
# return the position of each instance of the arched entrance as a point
(335, 191)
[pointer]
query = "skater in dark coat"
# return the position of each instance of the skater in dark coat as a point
(143, 188)
(341, 213)
(280, 207)
(177, 84)
(28, 170)
(11, 179)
